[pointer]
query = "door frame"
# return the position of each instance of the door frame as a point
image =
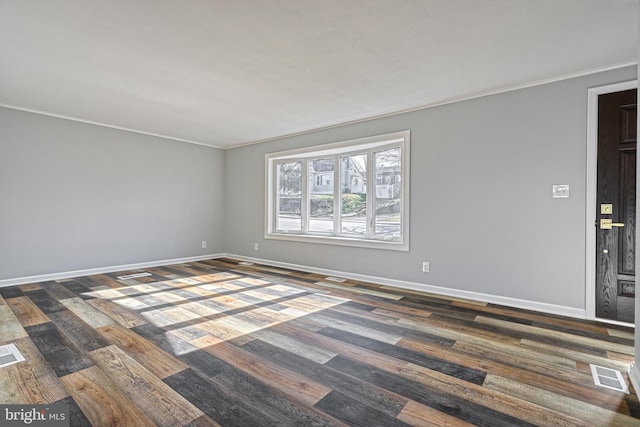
(592, 173)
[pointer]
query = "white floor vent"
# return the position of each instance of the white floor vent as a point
(608, 378)
(335, 279)
(134, 276)
(9, 354)
(245, 263)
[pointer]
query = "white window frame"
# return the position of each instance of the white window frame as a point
(367, 145)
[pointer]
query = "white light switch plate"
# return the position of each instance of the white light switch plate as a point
(560, 191)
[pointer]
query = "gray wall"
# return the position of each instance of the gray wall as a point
(76, 196)
(482, 210)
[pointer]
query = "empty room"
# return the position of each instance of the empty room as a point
(318, 213)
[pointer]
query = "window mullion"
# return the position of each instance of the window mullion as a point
(337, 195)
(304, 195)
(371, 194)
(275, 195)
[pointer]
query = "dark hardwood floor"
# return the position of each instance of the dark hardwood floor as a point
(220, 343)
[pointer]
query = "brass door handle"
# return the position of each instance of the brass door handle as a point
(608, 224)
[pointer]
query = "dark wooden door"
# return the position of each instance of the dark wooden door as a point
(616, 203)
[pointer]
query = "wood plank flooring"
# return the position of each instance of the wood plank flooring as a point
(217, 343)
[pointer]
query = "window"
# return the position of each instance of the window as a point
(352, 193)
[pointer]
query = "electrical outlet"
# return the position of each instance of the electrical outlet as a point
(204, 244)
(255, 246)
(425, 267)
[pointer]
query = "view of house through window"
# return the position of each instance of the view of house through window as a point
(321, 195)
(352, 192)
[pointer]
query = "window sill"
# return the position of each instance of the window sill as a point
(340, 241)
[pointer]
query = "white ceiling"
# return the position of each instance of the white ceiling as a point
(231, 72)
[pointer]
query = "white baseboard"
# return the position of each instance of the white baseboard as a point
(102, 270)
(634, 376)
(448, 292)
